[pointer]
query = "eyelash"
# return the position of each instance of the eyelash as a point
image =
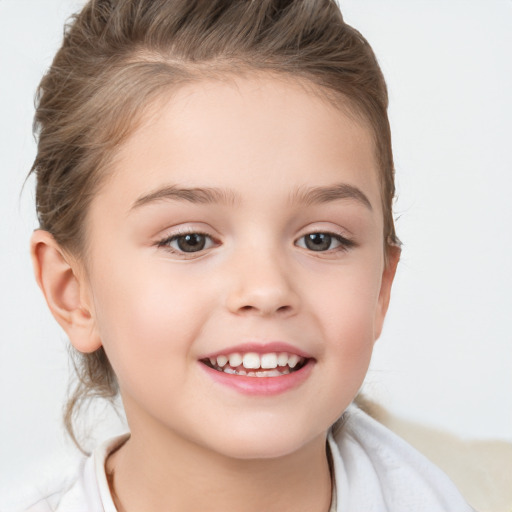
(345, 244)
(165, 243)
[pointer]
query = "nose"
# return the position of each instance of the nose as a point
(262, 285)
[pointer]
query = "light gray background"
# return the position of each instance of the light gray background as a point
(445, 358)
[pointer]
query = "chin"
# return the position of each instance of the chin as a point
(264, 443)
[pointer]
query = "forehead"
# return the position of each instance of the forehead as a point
(266, 132)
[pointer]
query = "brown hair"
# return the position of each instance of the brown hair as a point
(119, 55)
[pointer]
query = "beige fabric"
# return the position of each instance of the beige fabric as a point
(482, 470)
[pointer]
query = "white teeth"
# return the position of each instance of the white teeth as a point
(251, 360)
(258, 373)
(235, 360)
(272, 373)
(282, 359)
(269, 361)
(222, 360)
(293, 360)
(240, 363)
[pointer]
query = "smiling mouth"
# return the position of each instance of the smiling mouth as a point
(252, 364)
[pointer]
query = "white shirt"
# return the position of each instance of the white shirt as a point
(374, 471)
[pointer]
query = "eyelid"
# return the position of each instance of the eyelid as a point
(164, 242)
(185, 228)
(345, 242)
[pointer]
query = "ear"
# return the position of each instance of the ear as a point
(388, 275)
(65, 289)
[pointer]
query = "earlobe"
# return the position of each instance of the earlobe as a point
(64, 290)
(388, 275)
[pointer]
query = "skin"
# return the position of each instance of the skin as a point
(157, 312)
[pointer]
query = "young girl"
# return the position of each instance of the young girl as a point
(214, 191)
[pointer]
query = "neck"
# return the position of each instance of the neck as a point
(178, 475)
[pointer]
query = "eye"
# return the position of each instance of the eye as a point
(187, 243)
(321, 242)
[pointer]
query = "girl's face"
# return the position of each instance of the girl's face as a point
(241, 232)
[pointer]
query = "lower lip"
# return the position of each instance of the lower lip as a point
(263, 386)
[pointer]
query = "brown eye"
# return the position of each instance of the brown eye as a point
(187, 243)
(318, 241)
(192, 242)
(322, 242)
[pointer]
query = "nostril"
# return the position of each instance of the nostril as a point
(280, 309)
(263, 300)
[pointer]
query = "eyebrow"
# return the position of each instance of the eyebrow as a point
(201, 195)
(208, 195)
(318, 195)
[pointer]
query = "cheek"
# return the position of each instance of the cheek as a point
(349, 335)
(350, 339)
(145, 316)
(346, 312)
(347, 301)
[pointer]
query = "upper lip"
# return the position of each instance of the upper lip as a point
(259, 348)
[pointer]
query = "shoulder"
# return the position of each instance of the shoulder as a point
(378, 471)
(48, 491)
(83, 488)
